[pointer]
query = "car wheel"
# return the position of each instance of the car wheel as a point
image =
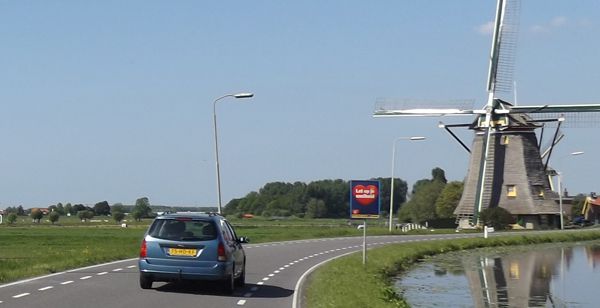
(145, 281)
(229, 283)
(241, 281)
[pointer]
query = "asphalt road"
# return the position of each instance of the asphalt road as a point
(274, 276)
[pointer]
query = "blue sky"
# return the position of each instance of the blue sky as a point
(112, 100)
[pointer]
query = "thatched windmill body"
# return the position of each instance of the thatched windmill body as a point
(506, 166)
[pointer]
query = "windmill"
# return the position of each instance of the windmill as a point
(506, 166)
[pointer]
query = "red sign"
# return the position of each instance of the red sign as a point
(365, 195)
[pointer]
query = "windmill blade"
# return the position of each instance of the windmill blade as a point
(504, 45)
(556, 108)
(385, 107)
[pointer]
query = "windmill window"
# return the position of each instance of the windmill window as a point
(539, 190)
(511, 190)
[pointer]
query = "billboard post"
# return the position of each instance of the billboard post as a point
(364, 204)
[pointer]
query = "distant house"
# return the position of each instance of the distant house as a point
(591, 208)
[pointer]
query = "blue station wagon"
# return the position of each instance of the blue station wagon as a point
(192, 246)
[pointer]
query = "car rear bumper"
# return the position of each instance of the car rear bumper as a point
(217, 271)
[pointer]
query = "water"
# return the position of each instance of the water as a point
(548, 275)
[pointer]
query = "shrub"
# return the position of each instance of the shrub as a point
(53, 216)
(118, 216)
(11, 218)
(496, 217)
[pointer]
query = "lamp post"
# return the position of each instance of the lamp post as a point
(393, 163)
(560, 193)
(238, 95)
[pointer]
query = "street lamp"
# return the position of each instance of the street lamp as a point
(238, 95)
(560, 193)
(393, 163)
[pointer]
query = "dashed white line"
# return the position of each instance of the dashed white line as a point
(117, 269)
(21, 295)
(85, 277)
(277, 272)
(241, 302)
(271, 275)
(103, 273)
(132, 266)
(265, 279)
(45, 288)
(66, 282)
(260, 283)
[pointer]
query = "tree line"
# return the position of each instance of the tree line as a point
(140, 210)
(431, 199)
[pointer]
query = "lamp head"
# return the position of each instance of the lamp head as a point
(243, 95)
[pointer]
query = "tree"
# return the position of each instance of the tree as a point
(496, 217)
(69, 209)
(20, 211)
(142, 206)
(11, 218)
(36, 215)
(118, 216)
(85, 215)
(316, 209)
(117, 207)
(78, 208)
(421, 206)
(102, 208)
(53, 217)
(448, 200)
(137, 215)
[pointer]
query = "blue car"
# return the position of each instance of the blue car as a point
(192, 246)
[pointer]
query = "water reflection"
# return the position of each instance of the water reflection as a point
(533, 276)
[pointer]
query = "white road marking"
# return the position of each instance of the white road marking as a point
(271, 275)
(241, 302)
(132, 266)
(287, 265)
(277, 272)
(45, 288)
(70, 271)
(117, 269)
(260, 283)
(85, 277)
(266, 278)
(66, 282)
(103, 273)
(281, 268)
(21, 295)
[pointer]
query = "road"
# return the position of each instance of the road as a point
(273, 278)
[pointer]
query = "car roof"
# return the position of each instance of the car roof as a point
(189, 215)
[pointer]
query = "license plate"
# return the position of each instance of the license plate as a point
(182, 252)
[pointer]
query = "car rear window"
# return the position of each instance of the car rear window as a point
(183, 230)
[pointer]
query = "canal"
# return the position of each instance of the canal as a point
(545, 275)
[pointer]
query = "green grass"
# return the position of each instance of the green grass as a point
(371, 286)
(32, 251)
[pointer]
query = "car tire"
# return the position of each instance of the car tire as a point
(229, 283)
(145, 281)
(241, 281)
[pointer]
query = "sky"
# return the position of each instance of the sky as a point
(112, 100)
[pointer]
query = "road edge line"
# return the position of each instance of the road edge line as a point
(307, 272)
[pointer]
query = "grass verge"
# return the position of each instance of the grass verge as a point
(371, 286)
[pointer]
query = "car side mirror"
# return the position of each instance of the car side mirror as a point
(243, 240)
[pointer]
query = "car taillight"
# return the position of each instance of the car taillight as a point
(221, 256)
(143, 250)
